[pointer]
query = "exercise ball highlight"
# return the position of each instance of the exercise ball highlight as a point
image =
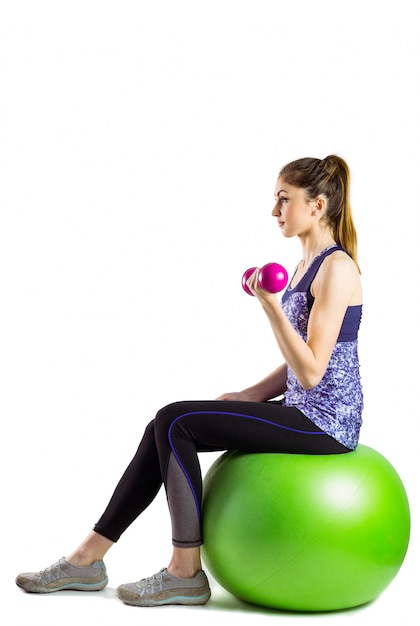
(305, 532)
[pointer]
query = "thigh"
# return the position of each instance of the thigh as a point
(247, 426)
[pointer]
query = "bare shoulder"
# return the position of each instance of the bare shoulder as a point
(338, 262)
(339, 272)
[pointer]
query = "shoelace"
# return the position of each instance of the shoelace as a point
(151, 581)
(53, 572)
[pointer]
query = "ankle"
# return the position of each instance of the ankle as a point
(81, 558)
(183, 572)
(185, 562)
(93, 548)
(79, 561)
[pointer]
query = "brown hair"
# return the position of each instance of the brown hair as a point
(330, 178)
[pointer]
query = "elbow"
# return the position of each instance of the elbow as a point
(309, 381)
(307, 386)
(309, 375)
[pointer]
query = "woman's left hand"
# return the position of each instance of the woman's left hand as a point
(254, 286)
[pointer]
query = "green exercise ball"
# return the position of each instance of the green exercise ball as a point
(302, 532)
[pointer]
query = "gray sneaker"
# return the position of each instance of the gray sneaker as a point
(163, 588)
(62, 575)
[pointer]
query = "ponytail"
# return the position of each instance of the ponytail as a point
(330, 178)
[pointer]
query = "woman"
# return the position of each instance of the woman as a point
(319, 410)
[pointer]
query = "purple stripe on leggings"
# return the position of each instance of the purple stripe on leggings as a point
(251, 417)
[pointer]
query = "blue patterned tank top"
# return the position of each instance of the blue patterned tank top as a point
(335, 405)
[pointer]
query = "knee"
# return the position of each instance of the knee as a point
(167, 419)
(149, 431)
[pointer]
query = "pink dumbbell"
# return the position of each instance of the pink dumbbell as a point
(272, 278)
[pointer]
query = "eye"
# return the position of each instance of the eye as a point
(283, 200)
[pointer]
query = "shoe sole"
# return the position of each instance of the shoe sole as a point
(162, 601)
(70, 587)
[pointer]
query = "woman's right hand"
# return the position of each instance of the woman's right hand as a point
(232, 396)
(270, 387)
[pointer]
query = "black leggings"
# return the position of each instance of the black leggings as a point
(168, 454)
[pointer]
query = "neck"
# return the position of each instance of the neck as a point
(312, 247)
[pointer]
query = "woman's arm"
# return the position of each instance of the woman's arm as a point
(335, 287)
(270, 387)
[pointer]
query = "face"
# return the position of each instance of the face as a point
(292, 209)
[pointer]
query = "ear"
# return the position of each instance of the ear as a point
(319, 206)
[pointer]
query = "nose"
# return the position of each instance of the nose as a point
(276, 210)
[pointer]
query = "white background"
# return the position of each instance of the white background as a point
(140, 143)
